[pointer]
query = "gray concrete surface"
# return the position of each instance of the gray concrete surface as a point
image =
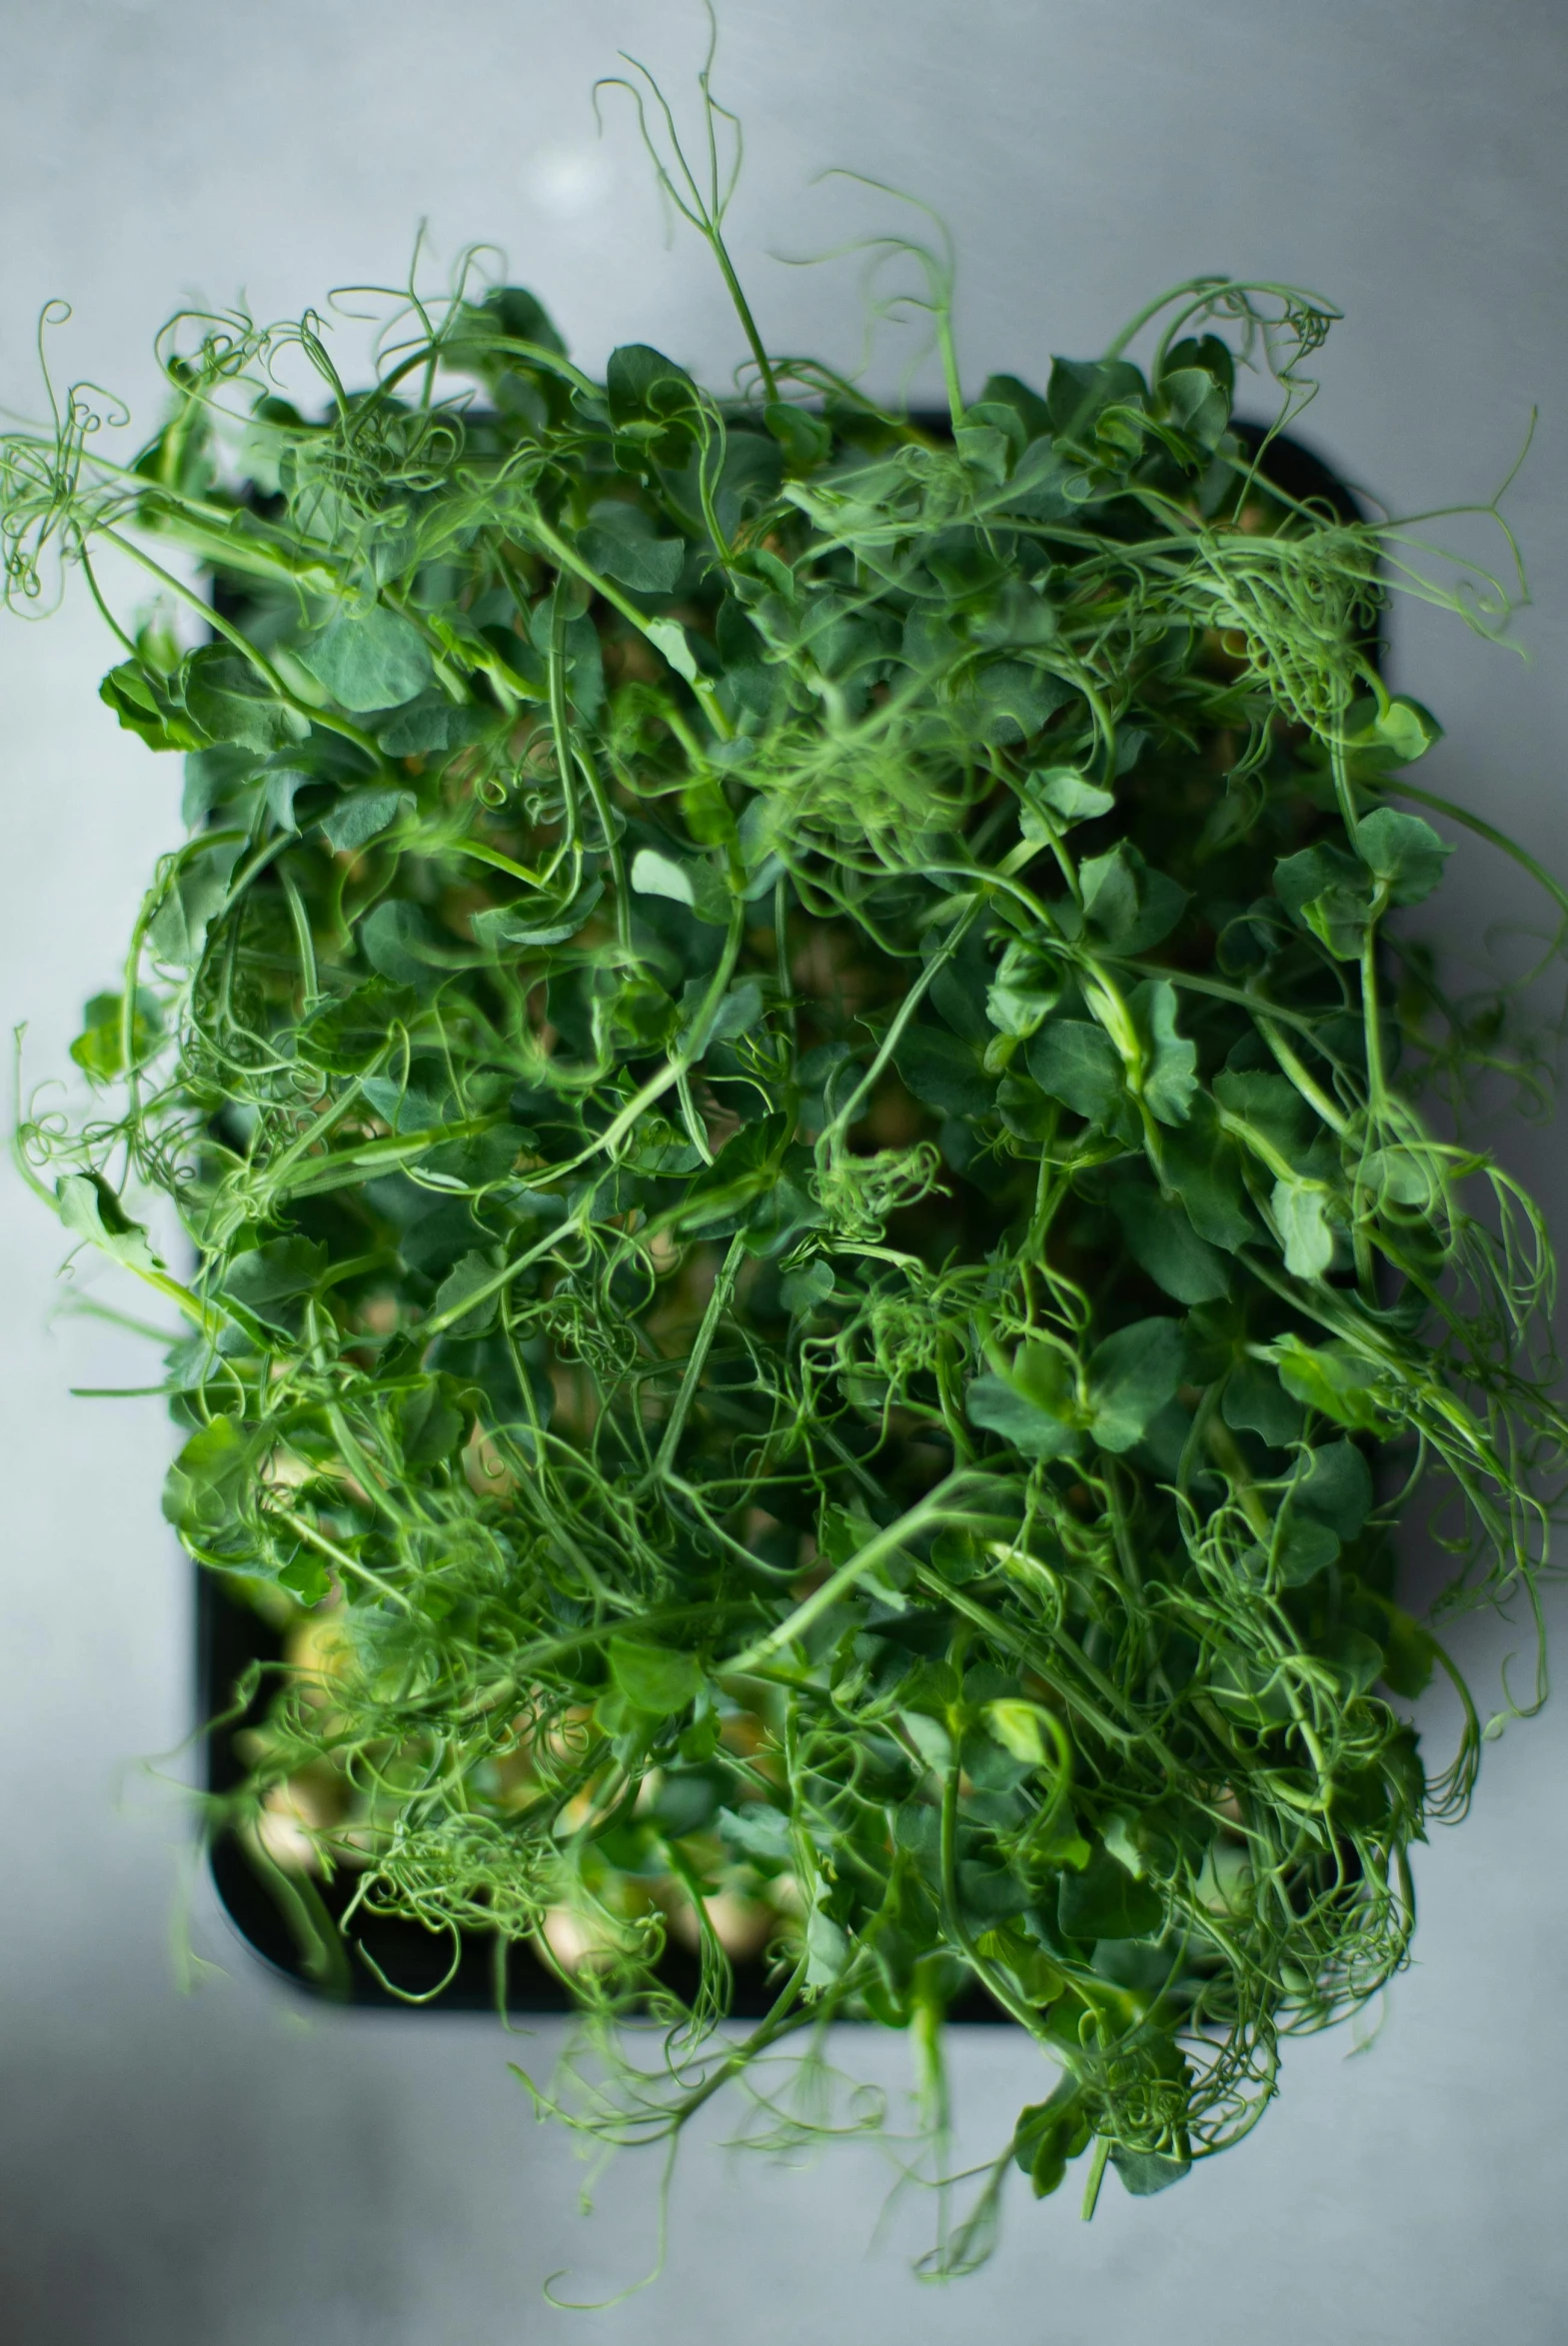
(221, 2167)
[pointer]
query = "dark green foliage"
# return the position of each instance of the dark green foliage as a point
(774, 1044)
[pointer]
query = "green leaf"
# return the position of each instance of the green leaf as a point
(1145, 2172)
(1335, 1382)
(431, 722)
(396, 938)
(1106, 1902)
(508, 312)
(177, 932)
(362, 816)
(631, 1014)
(1161, 1238)
(755, 833)
(1030, 1424)
(1403, 854)
(746, 1169)
(750, 478)
(1397, 735)
(478, 1159)
(1336, 1489)
(1339, 917)
(204, 1489)
(988, 1894)
(1357, 1659)
(1301, 1212)
(90, 1211)
(1077, 1064)
(429, 1424)
(1131, 1376)
(778, 1215)
(620, 542)
(654, 1679)
(653, 404)
(306, 1579)
(1024, 991)
(1024, 1108)
(1128, 904)
(1039, 1979)
(231, 702)
(145, 704)
(827, 1949)
(1081, 388)
(520, 663)
(841, 1532)
(1203, 1166)
(739, 1013)
(1271, 1107)
(1409, 1655)
(1327, 891)
(217, 778)
(531, 921)
(657, 874)
(1014, 698)
(282, 782)
(1016, 1727)
(1032, 1400)
(1206, 352)
(1031, 412)
(97, 1049)
(986, 441)
(959, 983)
(802, 1290)
(990, 422)
(946, 1072)
(370, 658)
(347, 1034)
(758, 1830)
(1403, 1176)
(1195, 403)
(1303, 1550)
(1256, 1402)
(669, 637)
(805, 440)
(270, 1280)
(1169, 1060)
(468, 1276)
(1048, 2134)
(1045, 485)
(707, 812)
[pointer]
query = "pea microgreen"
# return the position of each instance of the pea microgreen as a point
(818, 1275)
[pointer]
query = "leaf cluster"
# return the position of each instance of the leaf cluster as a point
(817, 1270)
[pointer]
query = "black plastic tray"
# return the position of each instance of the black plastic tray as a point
(273, 1915)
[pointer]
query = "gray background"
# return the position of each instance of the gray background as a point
(224, 2166)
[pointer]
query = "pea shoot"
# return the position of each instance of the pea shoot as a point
(818, 1275)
